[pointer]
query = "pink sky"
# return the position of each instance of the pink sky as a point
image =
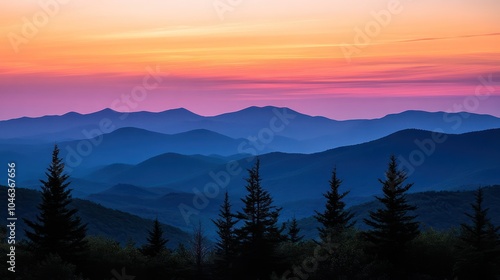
(87, 55)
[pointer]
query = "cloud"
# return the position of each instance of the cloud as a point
(447, 38)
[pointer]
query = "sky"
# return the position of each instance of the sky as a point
(334, 58)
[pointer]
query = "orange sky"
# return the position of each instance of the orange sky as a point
(259, 51)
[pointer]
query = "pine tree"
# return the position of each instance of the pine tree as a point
(293, 232)
(481, 234)
(335, 219)
(156, 242)
(57, 229)
(226, 246)
(481, 253)
(259, 234)
(392, 225)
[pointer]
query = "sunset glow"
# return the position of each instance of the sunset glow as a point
(83, 55)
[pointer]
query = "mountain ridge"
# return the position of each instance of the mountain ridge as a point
(319, 132)
(301, 179)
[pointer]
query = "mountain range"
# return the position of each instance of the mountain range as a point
(92, 141)
(153, 164)
(294, 132)
(297, 181)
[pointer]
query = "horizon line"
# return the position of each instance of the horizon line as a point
(239, 110)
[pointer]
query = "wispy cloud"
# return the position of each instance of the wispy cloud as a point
(449, 37)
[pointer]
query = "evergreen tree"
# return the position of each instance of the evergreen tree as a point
(335, 219)
(226, 246)
(392, 225)
(293, 232)
(57, 229)
(156, 242)
(481, 234)
(259, 234)
(481, 253)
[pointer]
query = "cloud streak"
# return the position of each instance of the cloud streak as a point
(448, 38)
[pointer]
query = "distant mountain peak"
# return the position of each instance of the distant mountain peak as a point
(70, 114)
(179, 111)
(107, 110)
(250, 113)
(266, 108)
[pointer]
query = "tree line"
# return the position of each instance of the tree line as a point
(252, 243)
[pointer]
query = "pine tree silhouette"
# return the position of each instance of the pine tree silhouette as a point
(481, 234)
(226, 246)
(392, 225)
(156, 242)
(259, 234)
(57, 229)
(481, 253)
(335, 219)
(294, 231)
